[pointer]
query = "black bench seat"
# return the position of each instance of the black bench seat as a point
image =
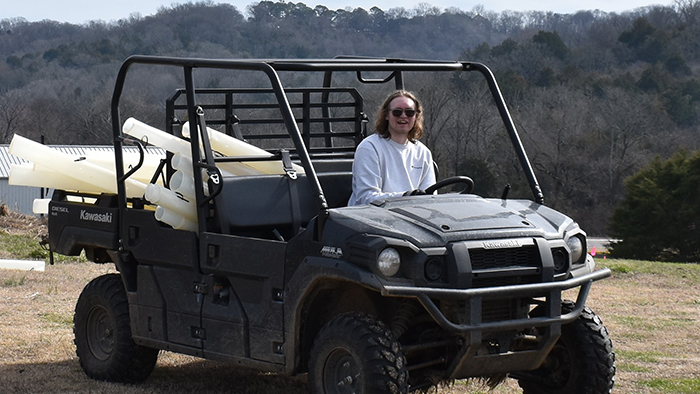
(262, 204)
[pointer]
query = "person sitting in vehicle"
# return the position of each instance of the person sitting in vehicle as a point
(392, 162)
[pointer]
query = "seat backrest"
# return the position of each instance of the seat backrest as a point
(332, 165)
(263, 203)
(337, 187)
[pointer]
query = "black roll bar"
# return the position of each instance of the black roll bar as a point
(510, 127)
(188, 65)
(396, 68)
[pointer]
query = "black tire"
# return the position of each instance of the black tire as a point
(103, 334)
(356, 353)
(582, 361)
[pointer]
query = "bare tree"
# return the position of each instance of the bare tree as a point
(630, 124)
(438, 112)
(689, 10)
(13, 110)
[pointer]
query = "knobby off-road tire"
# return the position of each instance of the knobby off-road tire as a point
(582, 361)
(103, 334)
(356, 353)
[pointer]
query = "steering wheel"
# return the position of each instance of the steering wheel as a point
(465, 180)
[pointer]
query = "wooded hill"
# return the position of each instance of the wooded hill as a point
(595, 95)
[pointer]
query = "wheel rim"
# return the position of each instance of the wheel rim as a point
(341, 372)
(100, 333)
(559, 365)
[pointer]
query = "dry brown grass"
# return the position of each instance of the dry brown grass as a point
(653, 319)
(652, 311)
(13, 222)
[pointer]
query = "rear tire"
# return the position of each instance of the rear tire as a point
(581, 362)
(356, 353)
(103, 334)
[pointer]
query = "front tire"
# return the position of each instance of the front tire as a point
(356, 353)
(581, 362)
(103, 334)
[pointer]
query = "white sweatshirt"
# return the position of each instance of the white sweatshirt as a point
(384, 168)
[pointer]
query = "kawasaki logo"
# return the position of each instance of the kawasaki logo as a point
(509, 243)
(95, 217)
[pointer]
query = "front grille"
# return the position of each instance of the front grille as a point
(505, 266)
(497, 310)
(479, 282)
(526, 256)
(491, 311)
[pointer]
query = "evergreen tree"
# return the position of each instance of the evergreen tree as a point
(659, 218)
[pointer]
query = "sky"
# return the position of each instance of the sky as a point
(81, 11)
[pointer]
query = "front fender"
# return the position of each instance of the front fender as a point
(316, 273)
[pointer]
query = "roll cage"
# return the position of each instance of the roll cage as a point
(302, 151)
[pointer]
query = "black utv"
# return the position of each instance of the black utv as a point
(277, 273)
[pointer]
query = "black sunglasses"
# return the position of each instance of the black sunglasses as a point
(410, 112)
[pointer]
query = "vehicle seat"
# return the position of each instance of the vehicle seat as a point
(261, 205)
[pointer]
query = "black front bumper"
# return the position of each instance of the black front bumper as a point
(471, 361)
(550, 290)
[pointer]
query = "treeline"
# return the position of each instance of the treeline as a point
(595, 95)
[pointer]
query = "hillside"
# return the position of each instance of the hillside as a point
(595, 95)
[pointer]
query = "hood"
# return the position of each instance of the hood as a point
(442, 218)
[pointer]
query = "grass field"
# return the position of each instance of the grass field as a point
(652, 311)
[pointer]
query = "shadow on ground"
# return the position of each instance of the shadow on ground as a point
(192, 377)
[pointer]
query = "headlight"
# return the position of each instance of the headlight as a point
(389, 262)
(575, 245)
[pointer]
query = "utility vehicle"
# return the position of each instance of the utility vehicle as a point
(278, 274)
